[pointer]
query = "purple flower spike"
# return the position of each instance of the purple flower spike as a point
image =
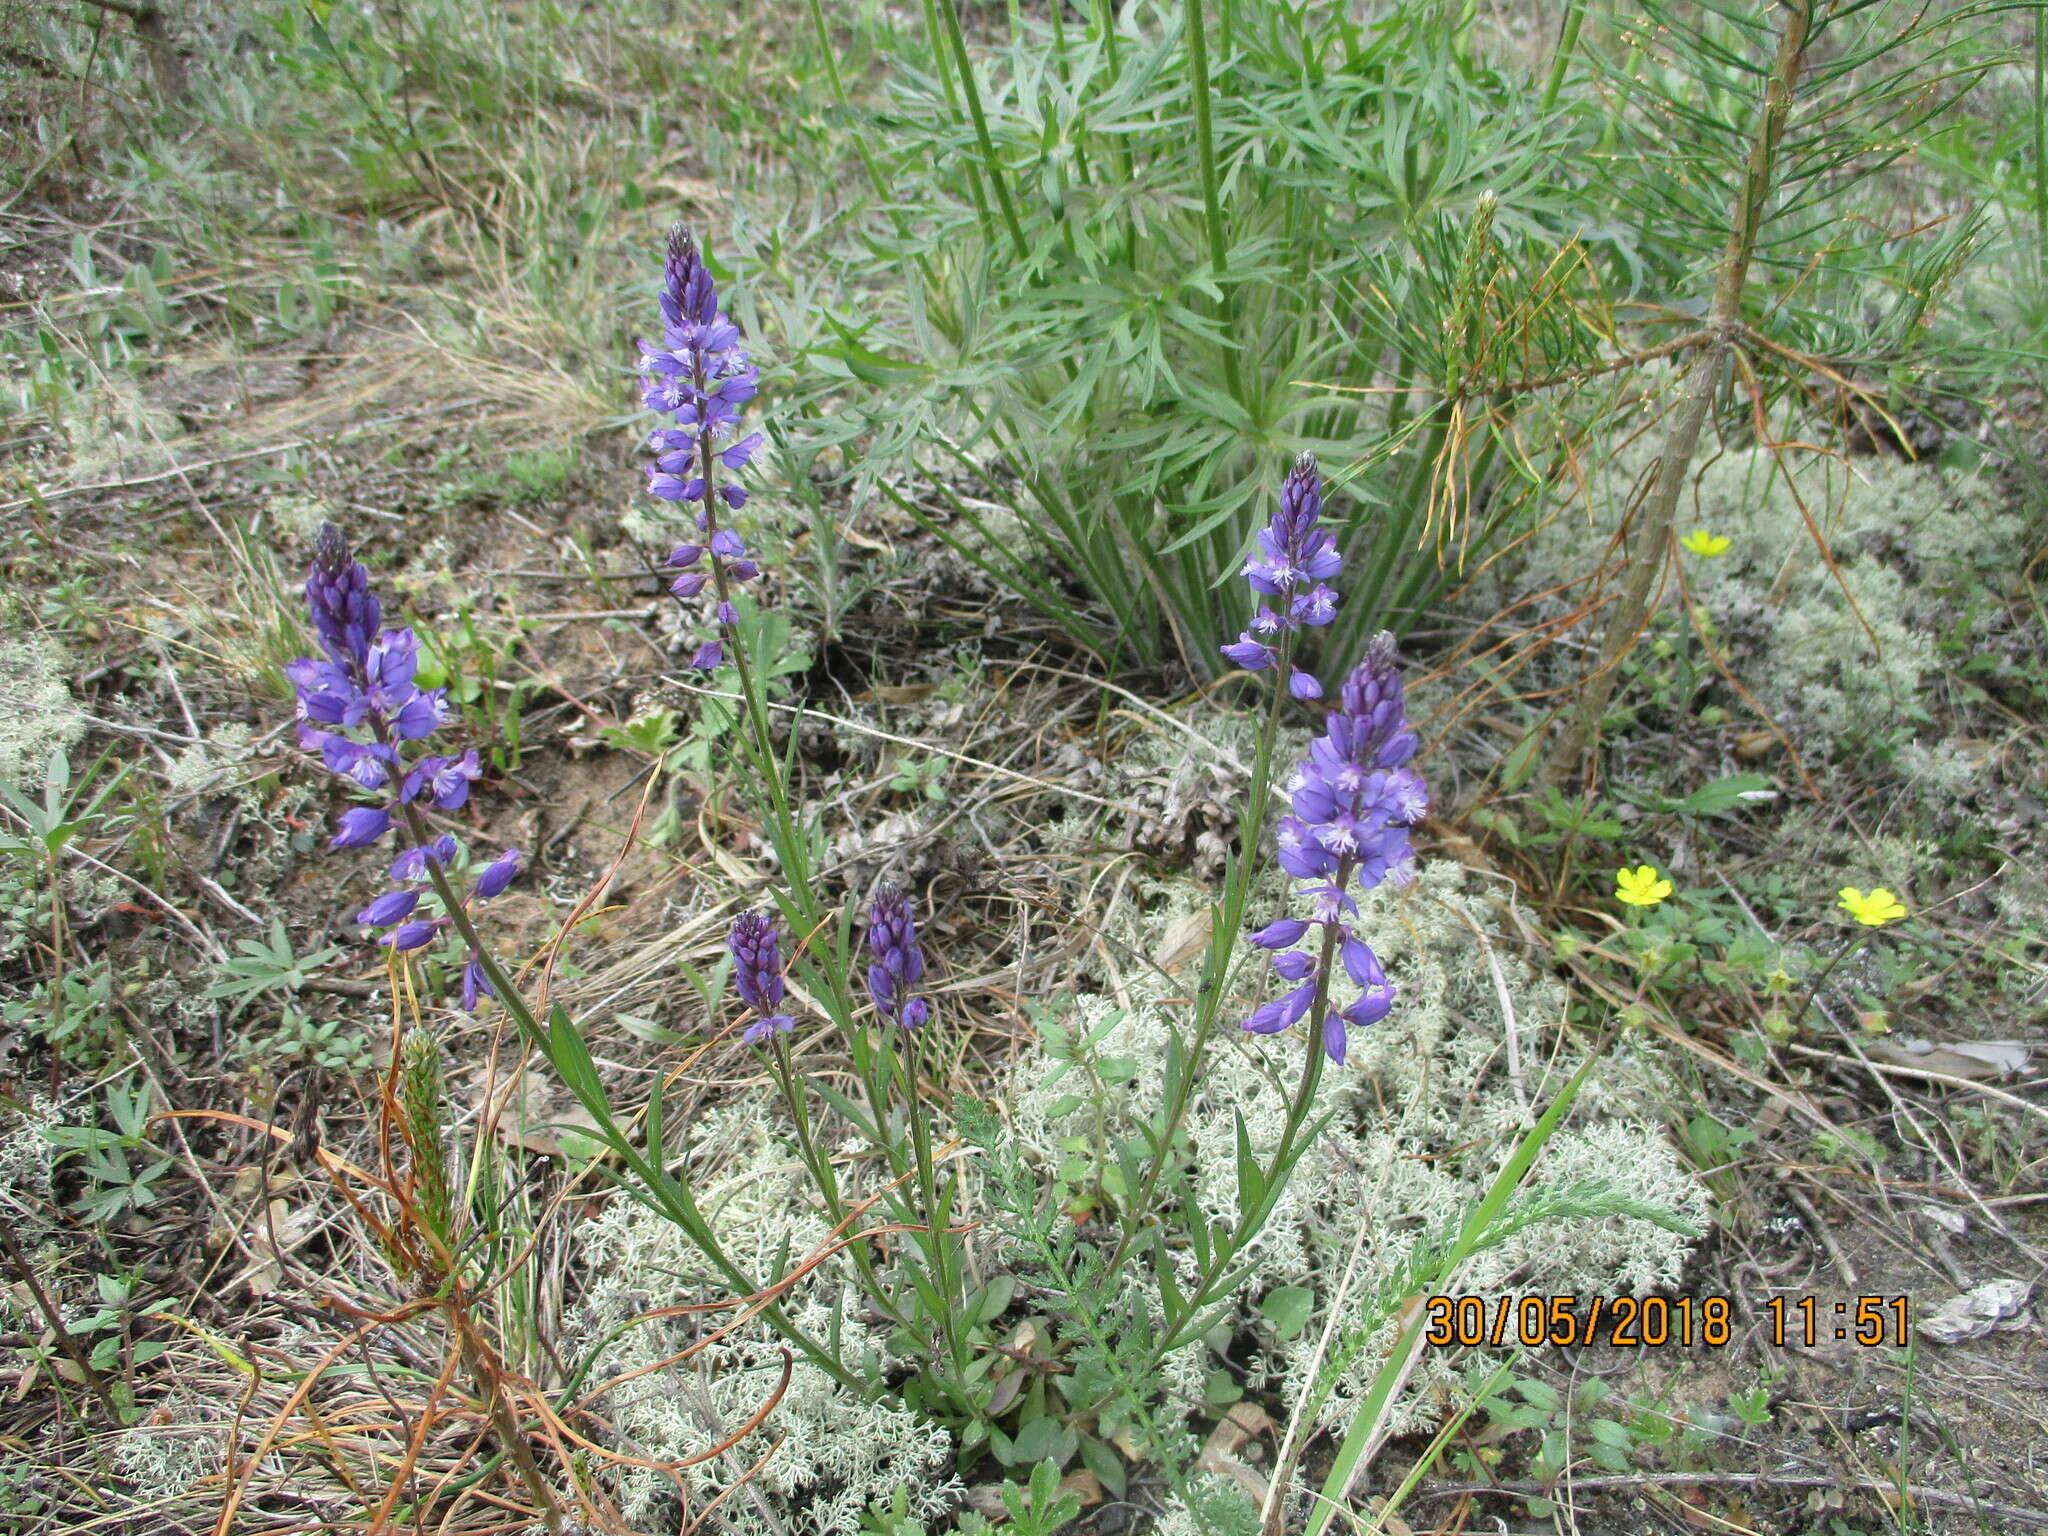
(1351, 803)
(699, 377)
(1296, 557)
(358, 704)
(345, 611)
(757, 973)
(898, 963)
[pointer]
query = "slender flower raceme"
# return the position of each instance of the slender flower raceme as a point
(757, 974)
(1353, 801)
(360, 709)
(898, 962)
(700, 376)
(1290, 575)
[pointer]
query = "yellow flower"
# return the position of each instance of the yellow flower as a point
(1872, 911)
(1701, 542)
(1642, 886)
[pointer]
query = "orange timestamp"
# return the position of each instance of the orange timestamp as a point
(1626, 1322)
(1658, 1322)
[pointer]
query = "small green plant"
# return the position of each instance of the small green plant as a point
(43, 831)
(924, 777)
(118, 1168)
(472, 663)
(650, 733)
(1038, 1509)
(333, 1044)
(267, 965)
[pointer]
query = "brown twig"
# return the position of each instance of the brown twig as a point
(66, 1340)
(1655, 533)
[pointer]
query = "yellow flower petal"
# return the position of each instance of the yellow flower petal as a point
(1641, 886)
(1706, 544)
(1873, 910)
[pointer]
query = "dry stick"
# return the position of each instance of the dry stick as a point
(66, 1339)
(1924, 1075)
(1724, 326)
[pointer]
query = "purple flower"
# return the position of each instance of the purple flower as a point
(446, 779)
(361, 825)
(391, 907)
(898, 963)
(758, 1031)
(1351, 801)
(412, 864)
(475, 984)
(344, 609)
(1280, 935)
(1294, 560)
(699, 376)
(497, 874)
(757, 973)
(358, 703)
(1252, 655)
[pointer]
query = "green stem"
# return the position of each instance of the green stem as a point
(1216, 1277)
(945, 73)
(1365, 1424)
(860, 140)
(1249, 1222)
(972, 92)
(1822, 979)
(938, 1248)
(1105, 18)
(1222, 944)
(1212, 209)
(1567, 45)
(2041, 124)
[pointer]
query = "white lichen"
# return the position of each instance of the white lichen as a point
(1835, 567)
(833, 1452)
(177, 1445)
(1430, 1102)
(37, 715)
(1428, 1106)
